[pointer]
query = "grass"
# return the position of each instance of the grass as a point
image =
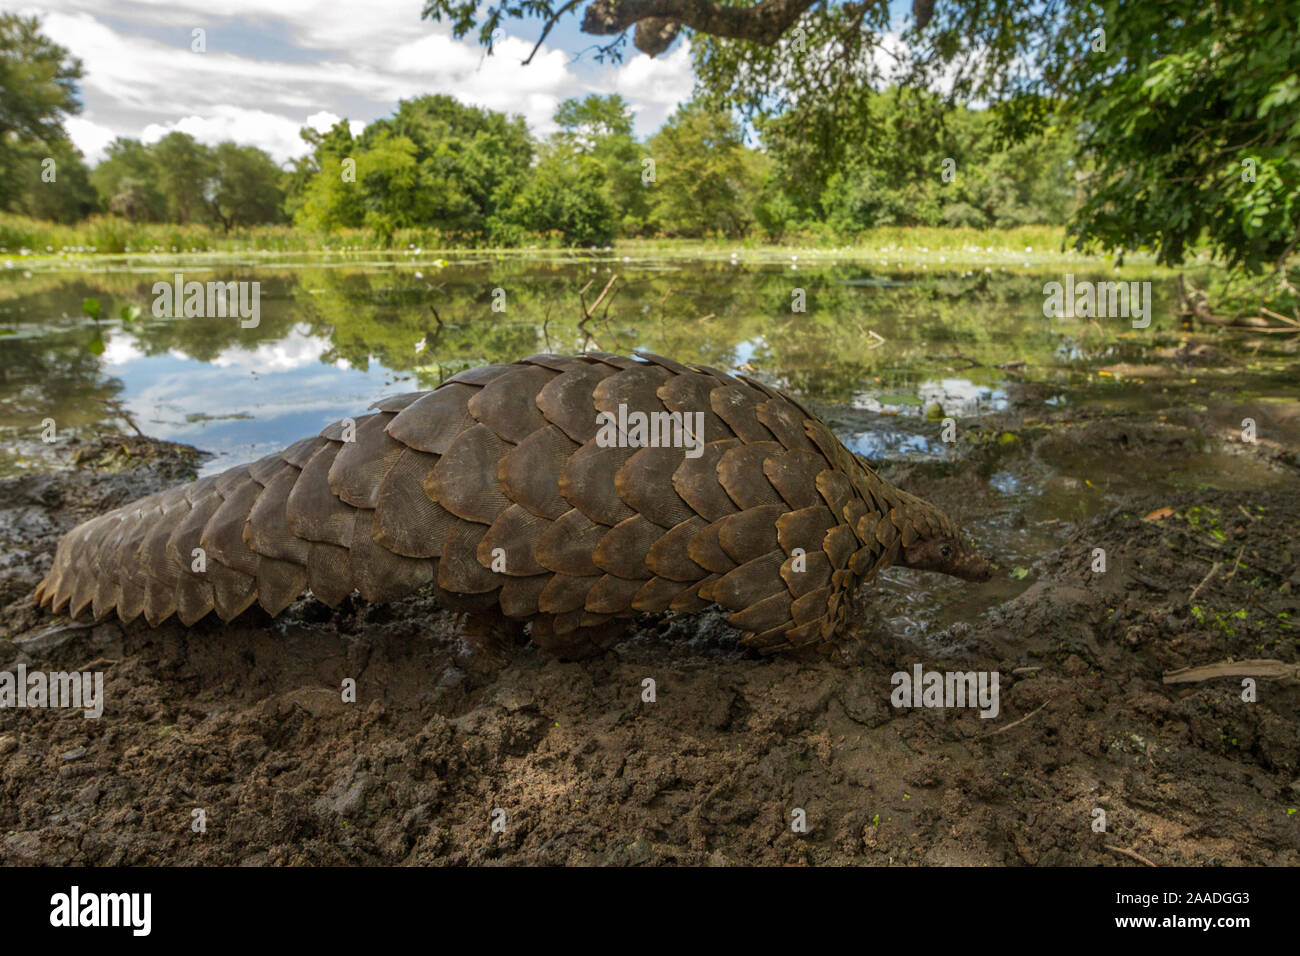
(32, 241)
(21, 236)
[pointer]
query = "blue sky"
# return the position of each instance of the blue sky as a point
(274, 66)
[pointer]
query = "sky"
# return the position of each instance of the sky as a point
(272, 67)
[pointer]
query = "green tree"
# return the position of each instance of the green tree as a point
(322, 193)
(38, 90)
(38, 82)
(183, 169)
(705, 179)
(600, 127)
(246, 186)
(51, 182)
(1192, 113)
(125, 182)
(434, 163)
(471, 160)
(566, 196)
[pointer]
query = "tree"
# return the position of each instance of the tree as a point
(38, 82)
(1195, 130)
(705, 180)
(51, 182)
(319, 196)
(245, 188)
(600, 127)
(183, 170)
(435, 162)
(656, 22)
(125, 182)
(38, 90)
(564, 196)
(1190, 110)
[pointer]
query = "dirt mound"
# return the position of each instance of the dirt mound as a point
(246, 722)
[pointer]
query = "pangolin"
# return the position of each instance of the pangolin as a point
(532, 489)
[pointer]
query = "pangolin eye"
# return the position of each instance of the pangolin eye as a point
(946, 551)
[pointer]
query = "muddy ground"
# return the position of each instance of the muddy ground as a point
(245, 721)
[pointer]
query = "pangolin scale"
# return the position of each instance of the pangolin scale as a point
(496, 491)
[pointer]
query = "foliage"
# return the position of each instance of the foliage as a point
(933, 164)
(38, 82)
(705, 179)
(1192, 113)
(565, 196)
(435, 161)
(38, 91)
(180, 180)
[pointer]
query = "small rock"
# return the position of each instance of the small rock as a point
(75, 754)
(51, 638)
(25, 845)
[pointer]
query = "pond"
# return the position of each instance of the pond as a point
(886, 346)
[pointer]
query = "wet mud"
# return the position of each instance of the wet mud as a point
(232, 744)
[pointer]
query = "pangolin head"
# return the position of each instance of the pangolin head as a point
(948, 554)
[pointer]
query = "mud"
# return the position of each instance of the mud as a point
(246, 723)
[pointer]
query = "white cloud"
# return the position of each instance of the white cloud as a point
(120, 349)
(89, 137)
(270, 69)
(654, 87)
(295, 350)
(324, 121)
(278, 135)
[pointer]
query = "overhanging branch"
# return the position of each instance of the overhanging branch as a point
(763, 23)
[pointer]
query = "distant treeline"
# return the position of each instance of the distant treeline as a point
(476, 175)
(469, 175)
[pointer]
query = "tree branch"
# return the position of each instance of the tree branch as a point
(762, 23)
(555, 18)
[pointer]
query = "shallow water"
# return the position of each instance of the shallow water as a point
(885, 351)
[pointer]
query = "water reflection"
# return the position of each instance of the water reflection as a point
(336, 332)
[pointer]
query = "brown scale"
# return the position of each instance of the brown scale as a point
(465, 479)
(645, 483)
(508, 404)
(492, 493)
(623, 549)
(513, 537)
(587, 482)
(688, 394)
(407, 520)
(737, 405)
(359, 468)
(696, 481)
(657, 594)
(530, 473)
(740, 470)
(668, 556)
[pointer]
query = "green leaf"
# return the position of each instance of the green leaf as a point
(91, 308)
(96, 346)
(129, 313)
